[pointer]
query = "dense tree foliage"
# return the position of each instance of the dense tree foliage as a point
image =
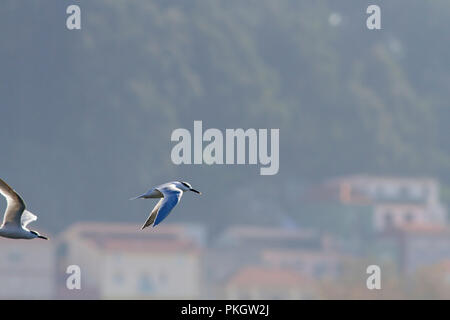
(88, 114)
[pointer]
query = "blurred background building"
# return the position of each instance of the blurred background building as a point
(396, 201)
(118, 261)
(256, 282)
(188, 261)
(27, 269)
(86, 118)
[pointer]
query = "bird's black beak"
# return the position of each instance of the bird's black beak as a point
(193, 190)
(42, 237)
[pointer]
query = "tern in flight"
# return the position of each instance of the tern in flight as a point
(170, 194)
(16, 217)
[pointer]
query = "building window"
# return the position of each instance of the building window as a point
(391, 191)
(62, 250)
(415, 192)
(118, 278)
(146, 284)
(409, 217)
(388, 220)
(405, 192)
(163, 278)
(320, 270)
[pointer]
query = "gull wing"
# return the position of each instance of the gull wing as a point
(27, 217)
(15, 206)
(162, 209)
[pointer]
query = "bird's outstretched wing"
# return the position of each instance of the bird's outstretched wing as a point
(152, 216)
(162, 209)
(15, 206)
(27, 217)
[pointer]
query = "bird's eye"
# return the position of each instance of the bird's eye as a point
(186, 185)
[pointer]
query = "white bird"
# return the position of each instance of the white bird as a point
(16, 217)
(170, 194)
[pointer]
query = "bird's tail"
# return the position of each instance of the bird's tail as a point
(138, 197)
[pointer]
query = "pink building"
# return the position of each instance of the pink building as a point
(256, 282)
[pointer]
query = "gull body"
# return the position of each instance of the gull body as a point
(16, 217)
(170, 194)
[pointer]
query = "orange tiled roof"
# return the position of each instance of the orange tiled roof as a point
(289, 254)
(266, 232)
(102, 227)
(374, 178)
(263, 276)
(424, 228)
(146, 246)
(129, 238)
(444, 264)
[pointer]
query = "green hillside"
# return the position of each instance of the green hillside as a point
(89, 113)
